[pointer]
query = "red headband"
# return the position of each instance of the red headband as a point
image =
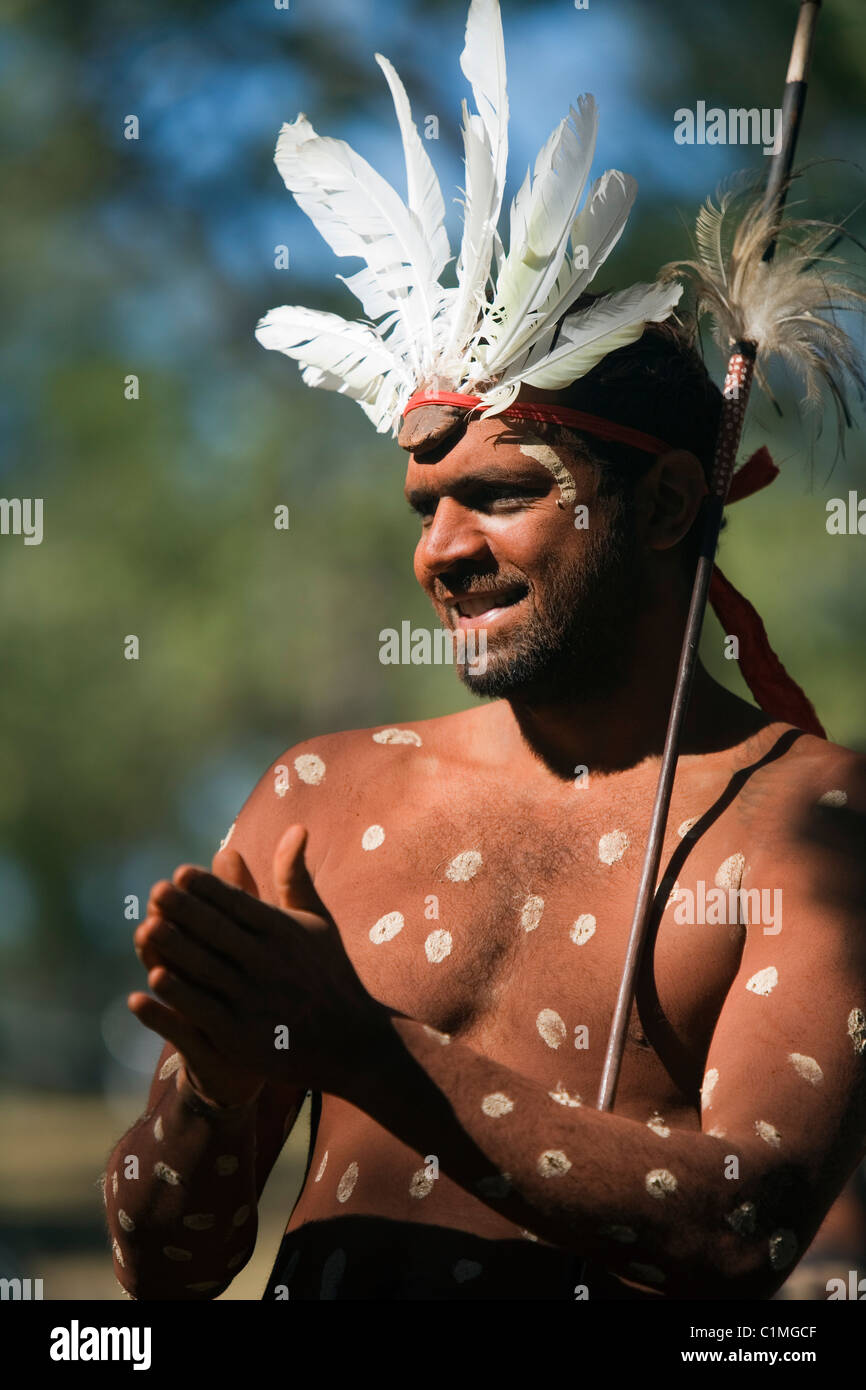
(557, 414)
(777, 693)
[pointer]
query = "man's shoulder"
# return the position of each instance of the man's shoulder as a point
(801, 770)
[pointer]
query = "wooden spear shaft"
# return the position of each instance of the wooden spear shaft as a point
(735, 398)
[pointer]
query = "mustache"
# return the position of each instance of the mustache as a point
(476, 582)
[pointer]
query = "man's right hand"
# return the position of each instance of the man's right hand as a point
(212, 1075)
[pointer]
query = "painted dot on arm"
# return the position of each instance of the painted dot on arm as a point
(199, 1221)
(763, 981)
(166, 1174)
(553, 1163)
(687, 827)
(158, 1128)
(833, 798)
(420, 1185)
(562, 1097)
(125, 1220)
(806, 1067)
(169, 1066)
(322, 1166)
(659, 1182)
(372, 837)
(743, 1219)
(768, 1133)
(310, 768)
(658, 1126)
(496, 1104)
(346, 1185)
(783, 1248)
(177, 1253)
(710, 1082)
(397, 736)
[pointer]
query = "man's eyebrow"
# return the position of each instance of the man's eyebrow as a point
(529, 478)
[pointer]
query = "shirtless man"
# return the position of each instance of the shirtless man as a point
(434, 918)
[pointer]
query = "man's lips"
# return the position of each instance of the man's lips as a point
(482, 609)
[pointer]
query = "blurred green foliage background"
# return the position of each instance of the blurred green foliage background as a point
(156, 257)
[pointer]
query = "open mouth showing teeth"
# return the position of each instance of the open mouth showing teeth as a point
(475, 608)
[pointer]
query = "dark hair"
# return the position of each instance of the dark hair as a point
(658, 385)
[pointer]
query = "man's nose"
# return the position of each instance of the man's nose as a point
(453, 535)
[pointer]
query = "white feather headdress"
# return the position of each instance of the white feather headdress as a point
(489, 334)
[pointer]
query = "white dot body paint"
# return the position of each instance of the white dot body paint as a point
(114, 1182)
(834, 798)
(562, 1097)
(226, 1164)
(169, 1066)
(466, 1269)
(464, 866)
(717, 1132)
(420, 1185)
(386, 928)
(660, 1183)
(729, 874)
(240, 1216)
(174, 1252)
(806, 1067)
(372, 837)
(496, 1104)
(551, 1027)
(158, 1128)
(320, 1172)
(166, 1174)
(553, 1163)
(710, 1080)
(199, 1221)
(763, 981)
(125, 1220)
(231, 830)
(118, 1255)
(397, 736)
(535, 448)
(658, 1126)
(687, 827)
(583, 929)
(310, 768)
(346, 1185)
(783, 1248)
(530, 913)
(437, 946)
(857, 1030)
(768, 1133)
(612, 846)
(743, 1219)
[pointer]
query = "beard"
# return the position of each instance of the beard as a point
(578, 640)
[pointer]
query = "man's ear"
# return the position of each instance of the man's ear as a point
(669, 498)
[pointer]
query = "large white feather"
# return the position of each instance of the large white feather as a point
(493, 332)
(424, 195)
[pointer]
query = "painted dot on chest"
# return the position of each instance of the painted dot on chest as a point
(437, 946)
(386, 928)
(530, 913)
(551, 1027)
(612, 846)
(583, 929)
(372, 837)
(464, 866)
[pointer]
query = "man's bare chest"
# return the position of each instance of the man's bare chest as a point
(504, 920)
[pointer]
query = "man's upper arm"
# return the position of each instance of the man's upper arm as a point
(785, 1072)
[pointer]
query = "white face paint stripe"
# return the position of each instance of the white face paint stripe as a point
(546, 455)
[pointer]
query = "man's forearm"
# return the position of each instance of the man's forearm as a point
(653, 1209)
(180, 1196)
